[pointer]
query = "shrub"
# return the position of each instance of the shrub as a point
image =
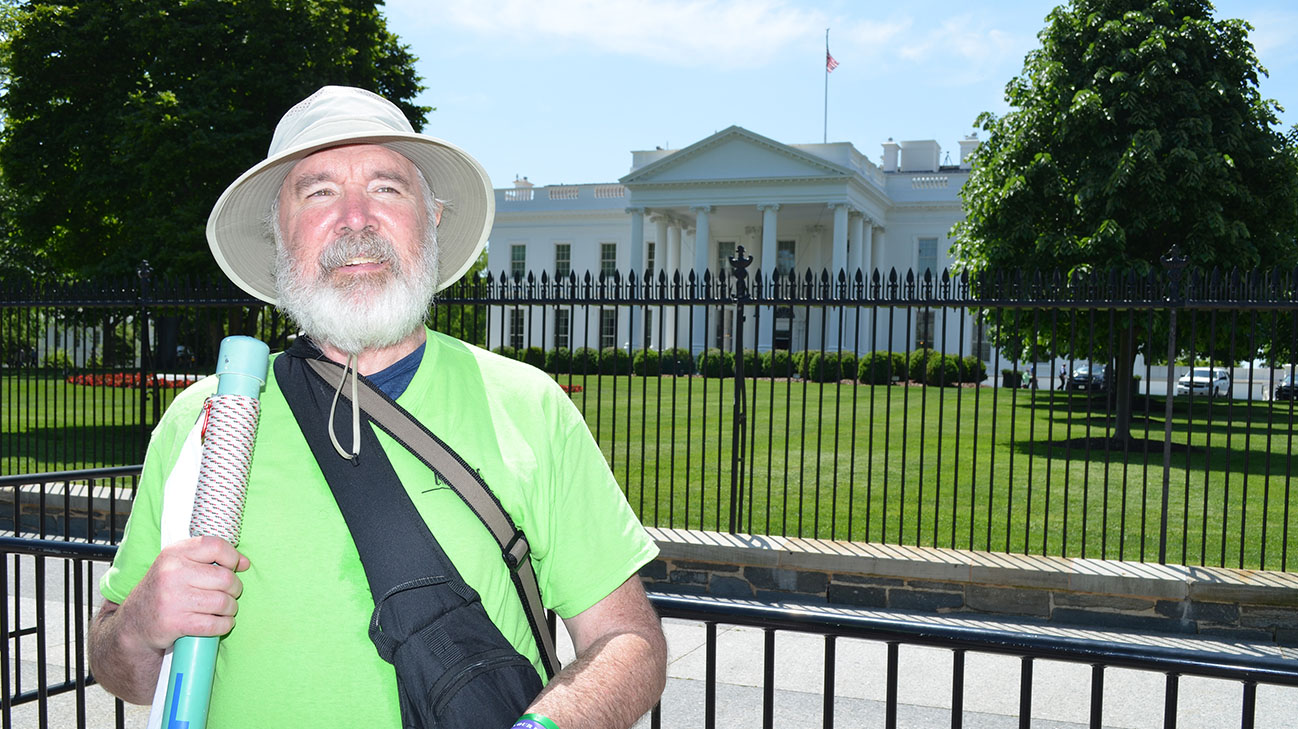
(900, 367)
(878, 368)
(752, 363)
(534, 356)
(917, 367)
(830, 366)
(676, 361)
(973, 370)
(800, 362)
(505, 350)
(776, 363)
(614, 361)
(585, 361)
(942, 370)
(559, 361)
(646, 362)
(58, 359)
(716, 363)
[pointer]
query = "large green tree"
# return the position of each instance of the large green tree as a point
(124, 120)
(1136, 126)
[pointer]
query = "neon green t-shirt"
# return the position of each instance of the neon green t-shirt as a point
(299, 654)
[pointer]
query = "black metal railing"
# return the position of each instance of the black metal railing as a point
(45, 638)
(804, 405)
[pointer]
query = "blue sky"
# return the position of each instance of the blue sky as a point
(561, 91)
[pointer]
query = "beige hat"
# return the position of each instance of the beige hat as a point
(332, 116)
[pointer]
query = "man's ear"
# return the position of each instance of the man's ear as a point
(437, 212)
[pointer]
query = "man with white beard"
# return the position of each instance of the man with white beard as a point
(342, 227)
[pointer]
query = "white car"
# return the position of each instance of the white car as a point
(1210, 381)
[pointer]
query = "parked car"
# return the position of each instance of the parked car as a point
(1286, 390)
(1210, 381)
(1089, 377)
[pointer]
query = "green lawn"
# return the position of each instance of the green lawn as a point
(980, 468)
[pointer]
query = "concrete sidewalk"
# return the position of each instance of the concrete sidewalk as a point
(1061, 691)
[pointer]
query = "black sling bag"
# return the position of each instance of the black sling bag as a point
(454, 668)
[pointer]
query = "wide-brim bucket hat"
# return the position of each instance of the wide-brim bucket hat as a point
(333, 116)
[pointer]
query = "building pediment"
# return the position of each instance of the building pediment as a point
(735, 155)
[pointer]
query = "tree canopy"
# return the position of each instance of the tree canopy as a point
(1135, 127)
(124, 121)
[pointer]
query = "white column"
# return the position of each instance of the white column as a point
(867, 248)
(856, 261)
(702, 253)
(636, 259)
(660, 244)
(770, 217)
(673, 248)
(838, 265)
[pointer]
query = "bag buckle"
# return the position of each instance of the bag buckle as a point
(516, 550)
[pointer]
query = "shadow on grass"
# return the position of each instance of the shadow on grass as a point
(73, 447)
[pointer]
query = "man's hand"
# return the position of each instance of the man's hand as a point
(621, 664)
(190, 589)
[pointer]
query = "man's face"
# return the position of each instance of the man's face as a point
(352, 190)
(356, 264)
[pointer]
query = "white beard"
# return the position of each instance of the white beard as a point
(362, 312)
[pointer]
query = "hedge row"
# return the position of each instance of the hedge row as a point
(923, 365)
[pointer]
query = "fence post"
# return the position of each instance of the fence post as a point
(145, 273)
(1174, 262)
(739, 430)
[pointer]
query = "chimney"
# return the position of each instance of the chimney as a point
(521, 182)
(967, 147)
(890, 149)
(920, 156)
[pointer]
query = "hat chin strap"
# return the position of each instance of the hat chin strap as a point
(350, 367)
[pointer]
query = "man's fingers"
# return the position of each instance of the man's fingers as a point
(214, 550)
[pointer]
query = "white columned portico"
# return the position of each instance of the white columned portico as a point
(838, 267)
(702, 249)
(673, 252)
(769, 220)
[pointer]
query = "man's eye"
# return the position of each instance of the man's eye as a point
(324, 192)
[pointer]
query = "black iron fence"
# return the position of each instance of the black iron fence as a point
(921, 410)
(44, 679)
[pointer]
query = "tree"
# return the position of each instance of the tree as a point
(1136, 126)
(124, 121)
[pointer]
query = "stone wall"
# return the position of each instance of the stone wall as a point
(1223, 603)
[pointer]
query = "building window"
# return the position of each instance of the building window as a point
(982, 346)
(927, 258)
(725, 251)
(607, 328)
(648, 328)
(516, 329)
(924, 329)
(607, 258)
(784, 257)
(518, 261)
(562, 329)
(562, 260)
(649, 257)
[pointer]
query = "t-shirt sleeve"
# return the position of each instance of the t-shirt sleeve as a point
(142, 537)
(592, 541)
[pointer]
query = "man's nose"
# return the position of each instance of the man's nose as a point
(356, 214)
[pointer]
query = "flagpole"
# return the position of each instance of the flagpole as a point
(825, 139)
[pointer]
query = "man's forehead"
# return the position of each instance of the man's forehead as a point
(370, 158)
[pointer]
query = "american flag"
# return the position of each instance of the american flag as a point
(830, 63)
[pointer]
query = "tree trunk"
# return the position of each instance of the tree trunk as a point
(1124, 369)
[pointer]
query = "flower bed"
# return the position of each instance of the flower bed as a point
(571, 388)
(132, 379)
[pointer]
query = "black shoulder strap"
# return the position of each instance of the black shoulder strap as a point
(468, 485)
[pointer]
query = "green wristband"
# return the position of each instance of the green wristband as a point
(534, 721)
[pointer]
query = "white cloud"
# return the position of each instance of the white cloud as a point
(713, 33)
(1274, 37)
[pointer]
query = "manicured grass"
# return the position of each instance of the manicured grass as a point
(47, 424)
(975, 468)
(972, 468)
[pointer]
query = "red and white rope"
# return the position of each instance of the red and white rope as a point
(223, 470)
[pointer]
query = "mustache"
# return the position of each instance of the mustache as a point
(363, 244)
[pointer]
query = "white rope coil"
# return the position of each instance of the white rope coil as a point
(223, 470)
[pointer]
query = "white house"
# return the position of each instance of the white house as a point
(791, 206)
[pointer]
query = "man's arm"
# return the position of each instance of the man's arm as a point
(190, 589)
(621, 664)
